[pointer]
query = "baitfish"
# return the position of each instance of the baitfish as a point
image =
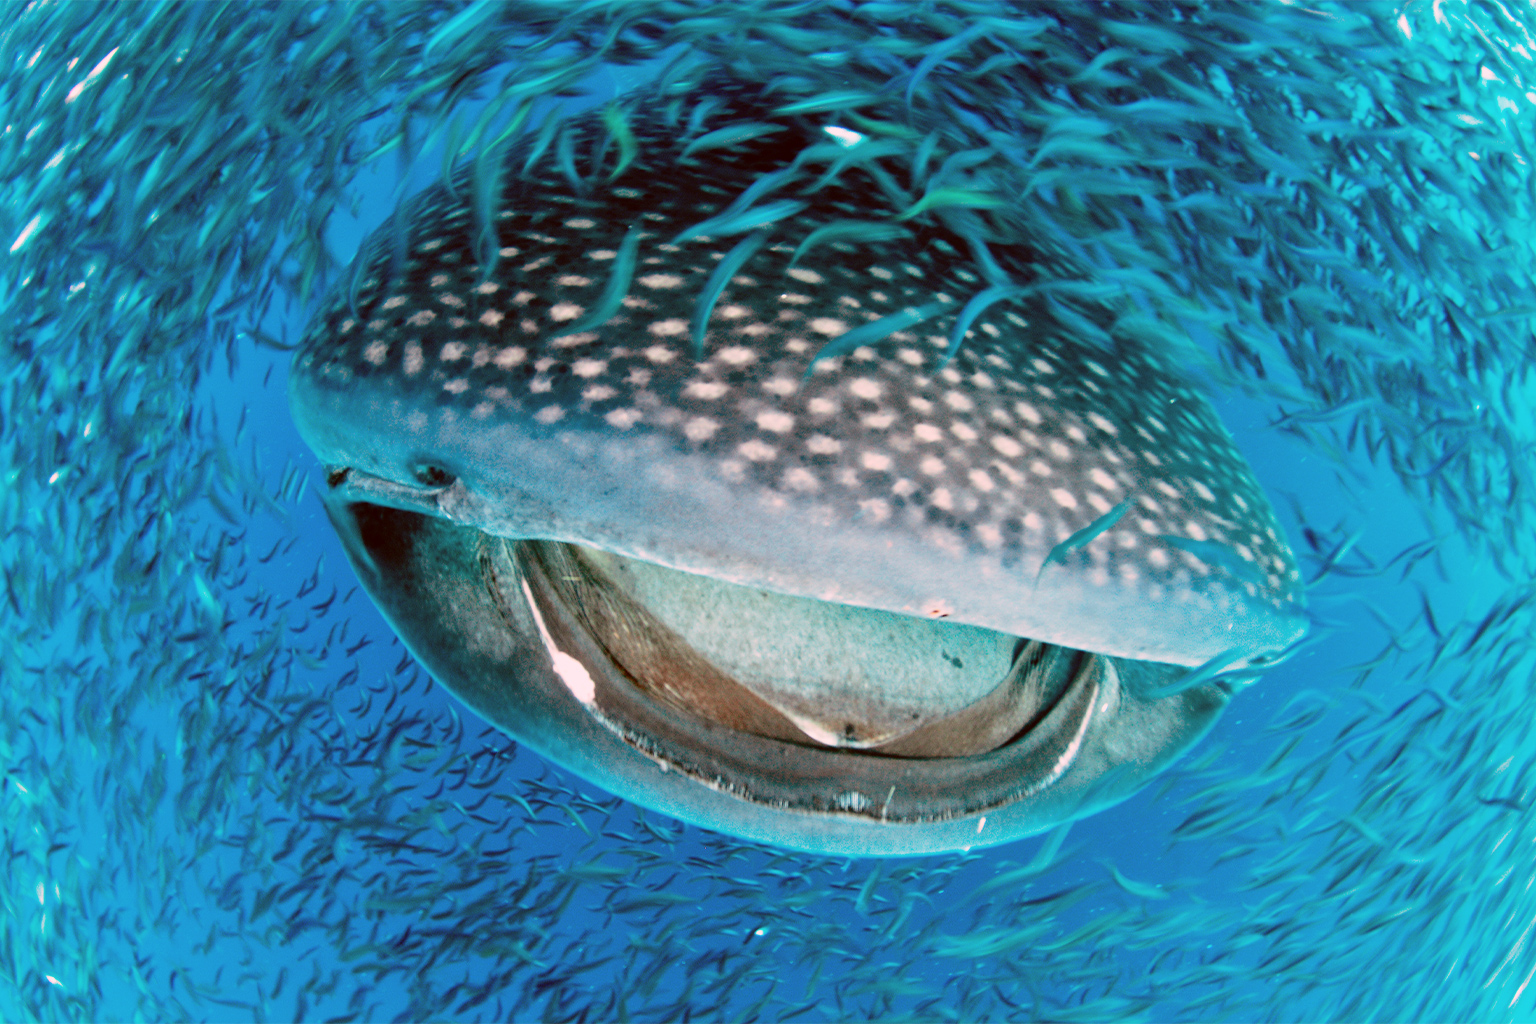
(655, 447)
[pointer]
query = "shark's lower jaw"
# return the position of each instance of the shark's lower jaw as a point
(547, 642)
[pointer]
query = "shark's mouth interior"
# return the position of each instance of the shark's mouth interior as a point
(832, 702)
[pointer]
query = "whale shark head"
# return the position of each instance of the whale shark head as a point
(689, 449)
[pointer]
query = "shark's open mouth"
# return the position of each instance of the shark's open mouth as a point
(653, 689)
(604, 638)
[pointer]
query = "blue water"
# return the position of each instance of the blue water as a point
(229, 794)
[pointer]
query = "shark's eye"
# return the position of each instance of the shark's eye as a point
(429, 475)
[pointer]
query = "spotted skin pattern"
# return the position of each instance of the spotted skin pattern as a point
(1025, 438)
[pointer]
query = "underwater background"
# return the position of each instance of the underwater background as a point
(228, 793)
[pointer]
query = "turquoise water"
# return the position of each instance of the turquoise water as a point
(229, 794)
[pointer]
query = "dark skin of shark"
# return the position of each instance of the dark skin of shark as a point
(534, 636)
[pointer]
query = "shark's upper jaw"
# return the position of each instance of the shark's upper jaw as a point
(1036, 486)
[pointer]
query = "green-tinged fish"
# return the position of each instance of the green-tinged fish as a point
(789, 586)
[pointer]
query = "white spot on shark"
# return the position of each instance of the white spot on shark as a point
(700, 428)
(775, 421)
(875, 462)
(661, 281)
(758, 451)
(876, 509)
(1103, 424)
(1103, 479)
(801, 480)
(780, 386)
(863, 387)
(736, 355)
(623, 419)
(1007, 446)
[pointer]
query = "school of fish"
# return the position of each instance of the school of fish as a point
(228, 792)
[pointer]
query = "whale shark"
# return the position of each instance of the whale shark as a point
(688, 446)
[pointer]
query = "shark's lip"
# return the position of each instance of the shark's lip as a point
(480, 620)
